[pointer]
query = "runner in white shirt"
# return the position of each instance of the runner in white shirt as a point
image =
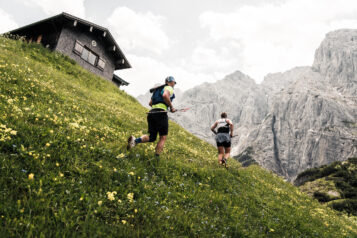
(224, 134)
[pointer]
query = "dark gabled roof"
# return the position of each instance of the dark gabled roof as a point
(118, 80)
(109, 39)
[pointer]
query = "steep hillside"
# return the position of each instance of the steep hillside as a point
(64, 170)
(299, 119)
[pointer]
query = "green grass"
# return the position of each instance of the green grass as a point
(64, 170)
(339, 178)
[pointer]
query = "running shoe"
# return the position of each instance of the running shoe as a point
(131, 142)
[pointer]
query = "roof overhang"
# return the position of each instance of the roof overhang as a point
(67, 19)
(116, 79)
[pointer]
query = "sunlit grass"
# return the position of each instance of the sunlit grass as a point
(64, 170)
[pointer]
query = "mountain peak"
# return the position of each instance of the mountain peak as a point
(336, 56)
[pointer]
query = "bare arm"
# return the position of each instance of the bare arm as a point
(213, 127)
(231, 127)
(166, 97)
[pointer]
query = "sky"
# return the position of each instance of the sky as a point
(199, 41)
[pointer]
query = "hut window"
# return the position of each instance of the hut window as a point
(89, 56)
(101, 63)
(78, 48)
(85, 53)
(92, 58)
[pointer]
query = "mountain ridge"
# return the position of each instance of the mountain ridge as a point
(293, 120)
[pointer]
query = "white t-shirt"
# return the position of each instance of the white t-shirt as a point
(223, 125)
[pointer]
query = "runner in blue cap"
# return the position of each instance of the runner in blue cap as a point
(158, 121)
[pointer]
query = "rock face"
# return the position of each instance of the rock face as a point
(237, 94)
(303, 118)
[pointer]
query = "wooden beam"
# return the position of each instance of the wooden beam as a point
(91, 29)
(39, 38)
(75, 23)
(122, 61)
(112, 48)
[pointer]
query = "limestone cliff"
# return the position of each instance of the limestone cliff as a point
(303, 118)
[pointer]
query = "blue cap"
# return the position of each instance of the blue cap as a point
(170, 79)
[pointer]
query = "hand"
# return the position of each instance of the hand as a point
(231, 135)
(172, 109)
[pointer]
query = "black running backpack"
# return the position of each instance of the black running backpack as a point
(157, 95)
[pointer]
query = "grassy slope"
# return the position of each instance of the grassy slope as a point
(340, 178)
(68, 128)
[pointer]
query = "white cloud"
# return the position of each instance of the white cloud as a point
(207, 58)
(54, 7)
(147, 72)
(7, 23)
(139, 31)
(277, 37)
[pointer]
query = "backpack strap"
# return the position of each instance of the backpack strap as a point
(154, 88)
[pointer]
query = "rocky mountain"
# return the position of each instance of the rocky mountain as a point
(237, 95)
(303, 118)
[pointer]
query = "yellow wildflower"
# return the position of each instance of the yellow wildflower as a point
(61, 175)
(31, 176)
(130, 197)
(111, 195)
(100, 203)
(48, 144)
(120, 156)
(123, 221)
(13, 132)
(131, 173)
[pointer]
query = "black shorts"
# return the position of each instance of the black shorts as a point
(158, 122)
(226, 144)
